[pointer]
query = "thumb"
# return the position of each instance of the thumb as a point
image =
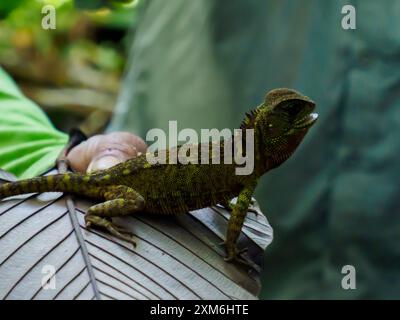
(103, 162)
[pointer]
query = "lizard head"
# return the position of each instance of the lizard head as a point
(281, 124)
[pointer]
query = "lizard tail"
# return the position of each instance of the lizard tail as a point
(68, 182)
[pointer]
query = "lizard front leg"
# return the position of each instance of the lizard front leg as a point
(121, 201)
(236, 221)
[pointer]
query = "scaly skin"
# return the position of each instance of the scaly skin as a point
(279, 124)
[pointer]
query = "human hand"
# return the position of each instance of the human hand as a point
(104, 151)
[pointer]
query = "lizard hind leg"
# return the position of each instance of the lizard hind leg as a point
(121, 201)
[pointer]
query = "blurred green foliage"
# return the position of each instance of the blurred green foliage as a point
(87, 50)
(22, 20)
(8, 6)
(95, 4)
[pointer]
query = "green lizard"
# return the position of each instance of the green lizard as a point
(137, 185)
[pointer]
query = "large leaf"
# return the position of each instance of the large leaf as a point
(177, 257)
(29, 143)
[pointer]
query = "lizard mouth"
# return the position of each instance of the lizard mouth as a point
(306, 121)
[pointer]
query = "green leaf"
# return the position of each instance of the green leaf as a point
(29, 143)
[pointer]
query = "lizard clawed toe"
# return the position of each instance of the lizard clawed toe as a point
(241, 251)
(121, 233)
(116, 231)
(243, 261)
(237, 258)
(234, 255)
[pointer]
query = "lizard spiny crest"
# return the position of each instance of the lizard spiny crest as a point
(249, 120)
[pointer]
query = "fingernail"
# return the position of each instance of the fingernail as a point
(103, 163)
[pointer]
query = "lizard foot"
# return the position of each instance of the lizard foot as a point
(116, 231)
(244, 250)
(243, 261)
(236, 257)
